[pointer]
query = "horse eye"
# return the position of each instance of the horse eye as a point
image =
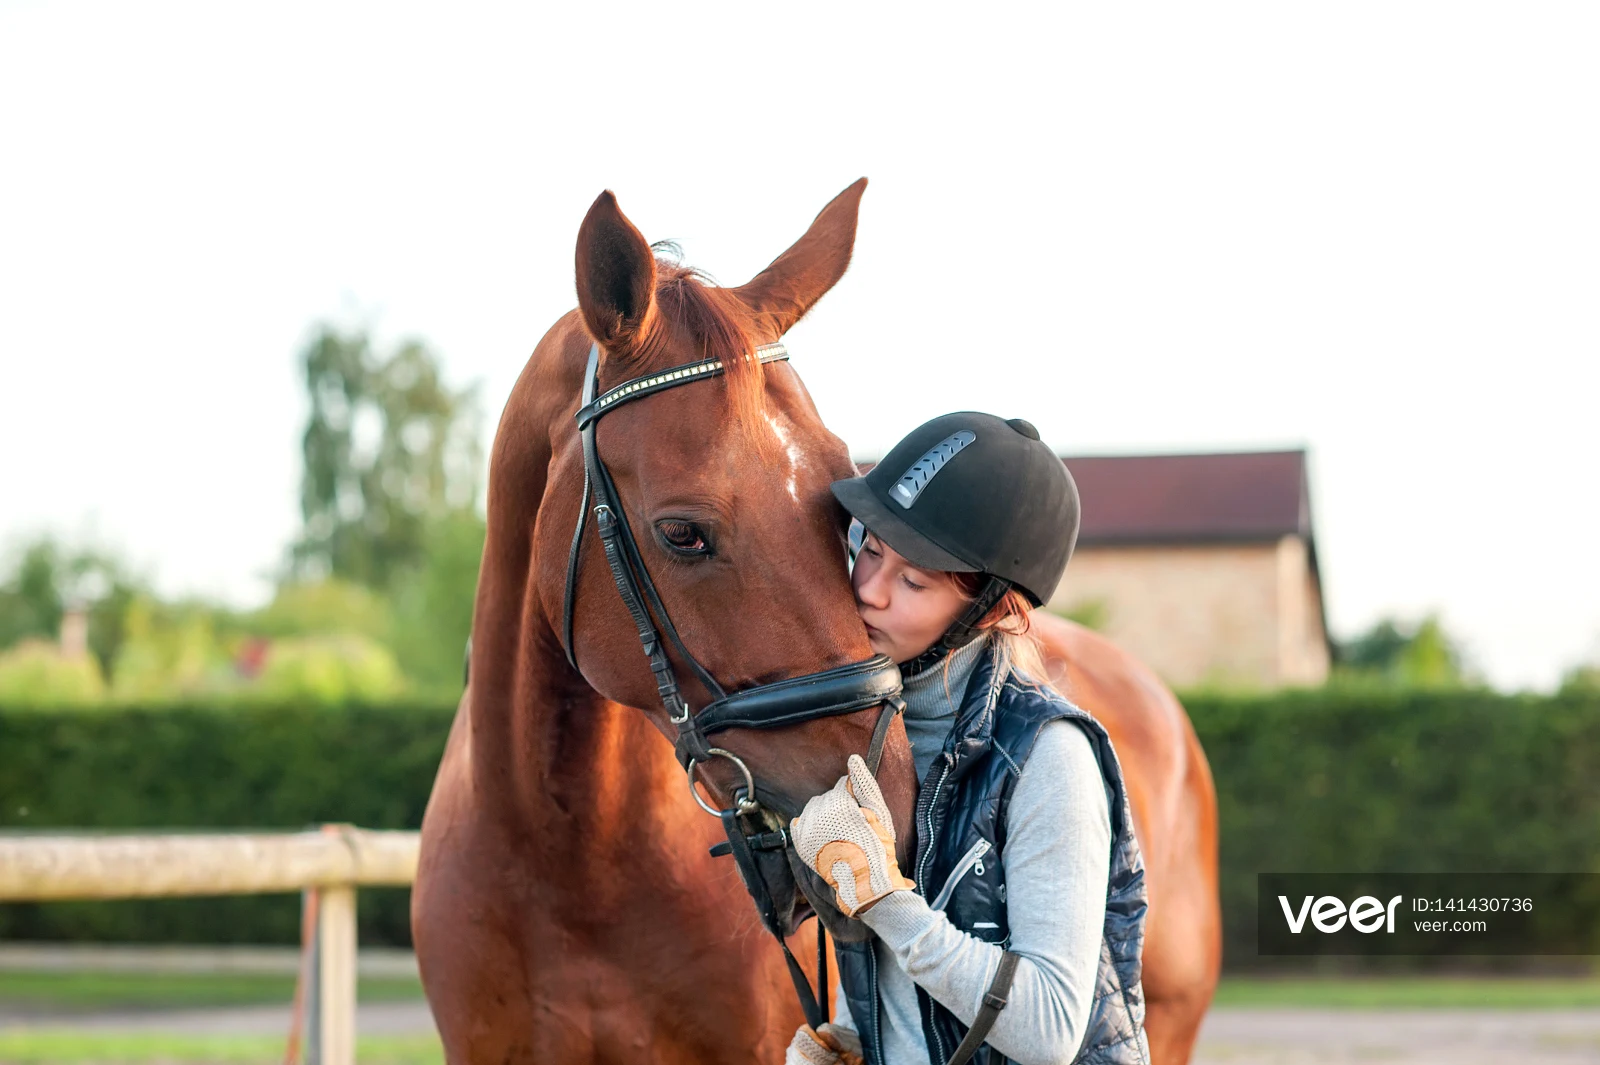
(683, 537)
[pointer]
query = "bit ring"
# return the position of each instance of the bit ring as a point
(743, 799)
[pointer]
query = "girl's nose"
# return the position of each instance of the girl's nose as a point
(871, 589)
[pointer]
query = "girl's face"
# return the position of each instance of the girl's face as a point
(905, 608)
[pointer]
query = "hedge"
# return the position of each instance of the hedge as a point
(246, 767)
(1322, 780)
(1399, 781)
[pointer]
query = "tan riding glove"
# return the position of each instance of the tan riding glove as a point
(847, 835)
(828, 1045)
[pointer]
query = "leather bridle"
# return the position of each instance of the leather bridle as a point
(792, 701)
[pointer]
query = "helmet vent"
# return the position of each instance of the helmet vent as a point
(916, 478)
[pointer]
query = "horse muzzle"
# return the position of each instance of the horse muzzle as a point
(819, 895)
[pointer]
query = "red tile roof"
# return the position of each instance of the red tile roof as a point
(1232, 497)
(1239, 497)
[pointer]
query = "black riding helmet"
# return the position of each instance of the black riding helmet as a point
(972, 493)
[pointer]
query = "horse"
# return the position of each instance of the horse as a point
(567, 904)
(1174, 804)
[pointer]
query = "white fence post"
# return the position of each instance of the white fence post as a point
(336, 975)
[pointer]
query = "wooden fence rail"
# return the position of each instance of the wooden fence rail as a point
(329, 865)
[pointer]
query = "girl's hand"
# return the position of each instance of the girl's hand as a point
(829, 1045)
(847, 835)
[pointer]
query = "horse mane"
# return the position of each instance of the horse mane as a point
(715, 319)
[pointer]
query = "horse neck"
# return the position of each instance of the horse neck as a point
(544, 744)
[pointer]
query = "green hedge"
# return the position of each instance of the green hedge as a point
(255, 767)
(1329, 780)
(1399, 781)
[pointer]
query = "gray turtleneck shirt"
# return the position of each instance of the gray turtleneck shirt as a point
(1057, 862)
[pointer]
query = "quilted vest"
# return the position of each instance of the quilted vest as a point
(960, 848)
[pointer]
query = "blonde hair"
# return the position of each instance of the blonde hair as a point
(1009, 624)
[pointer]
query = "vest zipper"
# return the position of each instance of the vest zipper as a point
(926, 845)
(968, 860)
(938, 1037)
(877, 1004)
(926, 841)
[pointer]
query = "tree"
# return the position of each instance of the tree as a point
(1377, 649)
(388, 448)
(35, 675)
(48, 577)
(1422, 654)
(32, 600)
(434, 602)
(1581, 680)
(173, 650)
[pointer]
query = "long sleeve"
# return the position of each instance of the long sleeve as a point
(841, 1008)
(1057, 863)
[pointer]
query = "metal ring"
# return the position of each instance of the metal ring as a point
(745, 804)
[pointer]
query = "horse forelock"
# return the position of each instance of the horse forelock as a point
(716, 324)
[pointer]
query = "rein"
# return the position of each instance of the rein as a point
(780, 704)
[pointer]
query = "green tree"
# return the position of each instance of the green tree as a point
(323, 608)
(1423, 654)
(47, 576)
(1583, 678)
(173, 649)
(329, 670)
(1375, 650)
(36, 675)
(388, 448)
(32, 600)
(434, 601)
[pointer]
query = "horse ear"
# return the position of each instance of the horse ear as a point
(616, 277)
(797, 279)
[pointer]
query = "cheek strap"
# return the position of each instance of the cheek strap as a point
(891, 706)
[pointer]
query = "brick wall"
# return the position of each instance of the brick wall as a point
(1235, 615)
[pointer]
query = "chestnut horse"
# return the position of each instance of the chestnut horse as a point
(566, 907)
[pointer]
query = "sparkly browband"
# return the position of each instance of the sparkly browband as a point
(643, 386)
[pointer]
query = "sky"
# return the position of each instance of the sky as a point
(1367, 229)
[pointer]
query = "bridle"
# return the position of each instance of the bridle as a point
(792, 701)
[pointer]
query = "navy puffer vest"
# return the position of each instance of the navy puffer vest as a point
(960, 835)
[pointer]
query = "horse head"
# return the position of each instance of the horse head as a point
(724, 484)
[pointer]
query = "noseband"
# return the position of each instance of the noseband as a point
(792, 701)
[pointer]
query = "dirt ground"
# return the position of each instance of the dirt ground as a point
(1237, 1036)
(1231, 1036)
(372, 1018)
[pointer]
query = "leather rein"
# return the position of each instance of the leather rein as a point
(792, 701)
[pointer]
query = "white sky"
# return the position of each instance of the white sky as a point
(1368, 228)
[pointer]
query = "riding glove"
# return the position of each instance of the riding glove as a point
(828, 1045)
(847, 835)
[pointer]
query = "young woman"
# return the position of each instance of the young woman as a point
(1016, 933)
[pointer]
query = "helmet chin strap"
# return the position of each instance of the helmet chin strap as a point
(962, 630)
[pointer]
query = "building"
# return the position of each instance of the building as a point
(1204, 566)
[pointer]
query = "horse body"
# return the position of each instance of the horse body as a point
(566, 907)
(1174, 818)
